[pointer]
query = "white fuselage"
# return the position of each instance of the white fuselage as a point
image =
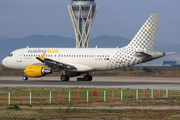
(87, 59)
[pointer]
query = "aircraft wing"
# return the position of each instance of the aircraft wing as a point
(50, 62)
(60, 64)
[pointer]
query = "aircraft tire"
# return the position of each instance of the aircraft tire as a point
(87, 78)
(25, 78)
(64, 78)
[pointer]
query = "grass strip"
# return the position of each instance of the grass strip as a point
(90, 114)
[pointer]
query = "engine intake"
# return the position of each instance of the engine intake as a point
(37, 71)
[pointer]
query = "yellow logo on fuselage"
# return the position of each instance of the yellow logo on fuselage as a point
(53, 51)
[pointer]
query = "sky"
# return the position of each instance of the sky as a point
(21, 18)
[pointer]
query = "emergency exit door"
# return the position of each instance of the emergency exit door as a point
(19, 57)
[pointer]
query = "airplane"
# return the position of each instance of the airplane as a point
(71, 62)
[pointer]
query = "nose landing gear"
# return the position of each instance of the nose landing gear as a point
(25, 78)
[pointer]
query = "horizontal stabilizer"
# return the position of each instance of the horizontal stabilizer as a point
(141, 54)
(148, 56)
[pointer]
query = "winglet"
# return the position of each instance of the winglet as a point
(41, 58)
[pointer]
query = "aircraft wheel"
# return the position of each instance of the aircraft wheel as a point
(87, 78)
(25, 78)
(64, 78)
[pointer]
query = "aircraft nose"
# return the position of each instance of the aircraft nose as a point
(4, 62)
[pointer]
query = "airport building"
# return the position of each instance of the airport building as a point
(82, 13)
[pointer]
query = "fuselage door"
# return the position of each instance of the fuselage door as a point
(19, 56)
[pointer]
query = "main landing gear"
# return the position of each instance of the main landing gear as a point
(86, 78)
(25, 78)
(64, 78)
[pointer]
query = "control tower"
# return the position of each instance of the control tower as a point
(82, 14)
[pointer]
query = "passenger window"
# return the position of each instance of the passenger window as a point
(89, 55)
(84, 55)
(92, 55)
(97, 55)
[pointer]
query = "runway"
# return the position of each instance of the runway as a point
(98, 82)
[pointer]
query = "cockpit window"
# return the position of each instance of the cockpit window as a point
(10, 55)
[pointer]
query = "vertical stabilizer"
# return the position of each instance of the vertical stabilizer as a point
(145, 38)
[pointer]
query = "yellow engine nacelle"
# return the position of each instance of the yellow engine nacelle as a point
(37, 71)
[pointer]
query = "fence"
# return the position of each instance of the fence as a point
(82, 96)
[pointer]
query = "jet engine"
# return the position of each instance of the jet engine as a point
(37, 71)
